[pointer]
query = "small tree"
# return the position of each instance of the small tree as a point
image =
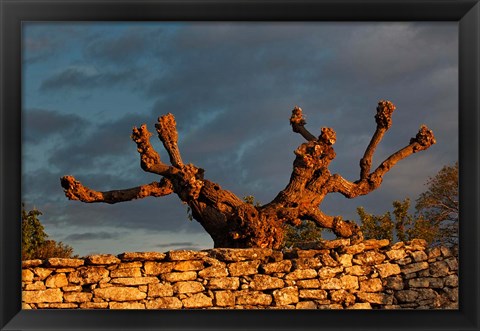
(376, 226)
(34, 239)
(439, 204)
(33, 233)
(304, 233)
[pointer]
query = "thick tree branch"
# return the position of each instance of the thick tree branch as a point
(167, 132)
(298, 124)
(336, 183)
(149, 158)
(383, 119)
(74, 190)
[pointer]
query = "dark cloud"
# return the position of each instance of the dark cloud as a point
(92, 236)
(98, 150)
(39, 125)
(128, 47)
(87, 77)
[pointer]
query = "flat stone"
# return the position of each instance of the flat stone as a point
(406, 296)
(224, 283)
(387, 269)
(302, 274)
(31, 263)
(308, 283)
(126, 272)
(394, 283)
(306, 305)
(243, 268)
(345, 260)
(307, 263)
(57, 280)
(358, 270)
(285, 296)
(349, 282)
(126, 305)
(396, 254)
(361, 305)
(160, 290)
(188, 287)
(434, 252)
(77, 297)
(376, 298)
(27, 275)
(451, 280)
(63, 262)
(141, 256)
(157, 268)
(439, 269)
(42, 273)
(313, 294)
(253, 298)
(429, 282)
(331, 284)
(371, 285)
(224, 299)
(414, 267)
(134, 281)
(274, 267)
(119, 293)
(50, 295)
(88, 275)
(72, 288)
(328, 260)
(164, 303)
(213, 271)
(329, 272)
(240, 254)
(184, 255)
(102, 259)
(342, 296)
(265, 282)
(375, 243)
(38, 285)
(179, 276)
(419, 256)
(355, 249)
(370, 258)
(198, 300)
(452, 263)
(188, 265)
(446, 252)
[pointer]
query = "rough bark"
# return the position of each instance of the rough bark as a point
(230, 221)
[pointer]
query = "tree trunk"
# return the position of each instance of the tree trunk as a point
(232, 222)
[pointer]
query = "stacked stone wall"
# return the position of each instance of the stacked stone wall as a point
(336, 275)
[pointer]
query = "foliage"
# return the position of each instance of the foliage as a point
(435, 219)
(306, 232)
(376, 227)
(34, 239)
(439, 204)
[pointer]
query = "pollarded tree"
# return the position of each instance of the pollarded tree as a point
(232, 222)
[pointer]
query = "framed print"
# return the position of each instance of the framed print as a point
(271, 117)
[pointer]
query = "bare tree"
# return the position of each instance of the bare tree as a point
(232, 222)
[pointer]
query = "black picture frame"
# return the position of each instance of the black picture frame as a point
(13, 12)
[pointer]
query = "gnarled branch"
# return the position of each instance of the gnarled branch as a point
(149, 158)
(384, 122)
(74, 190)
(167, 132)
(298, 124)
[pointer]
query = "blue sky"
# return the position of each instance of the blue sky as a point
(231, 87)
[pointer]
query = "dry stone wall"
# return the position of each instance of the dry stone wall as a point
(336, 275)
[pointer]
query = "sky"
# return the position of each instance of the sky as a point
(231, 87)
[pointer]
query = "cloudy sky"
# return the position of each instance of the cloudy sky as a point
(231, 87)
